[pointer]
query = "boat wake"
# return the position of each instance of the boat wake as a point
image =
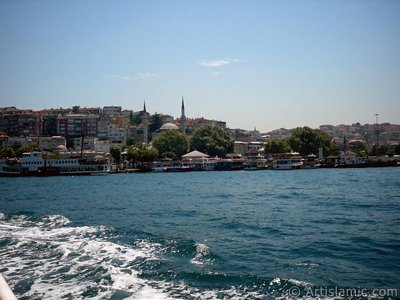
(48, 258)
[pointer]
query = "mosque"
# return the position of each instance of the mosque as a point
(165, 126)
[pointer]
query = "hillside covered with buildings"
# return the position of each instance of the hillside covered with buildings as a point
(101, 128)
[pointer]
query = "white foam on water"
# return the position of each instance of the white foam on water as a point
(149, 293)
(183, 291)
(299, 282)
(304, 264)
(55, 220)
(60, 261)
(72, 262)
(202, 251)
(276, 280)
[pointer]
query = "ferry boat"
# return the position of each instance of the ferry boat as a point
(288, 161)
(36, 164)
(257, 162)
(178, 167)
(230, 163)
(311, 162)
(161, 165)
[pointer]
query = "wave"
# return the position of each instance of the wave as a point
(203, 255)
(48, 258)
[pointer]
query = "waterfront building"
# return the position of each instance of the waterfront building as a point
(199, 161)
(240, 147)
(248, 148)
(351, 158)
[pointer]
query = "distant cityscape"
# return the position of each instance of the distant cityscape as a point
(112, 125)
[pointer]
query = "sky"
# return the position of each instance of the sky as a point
(268, 64)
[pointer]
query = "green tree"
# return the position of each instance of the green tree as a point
(306, 140)
(171, 141)
(130, 141)
(277, 146)
(397, 149)
(16, 146)
(27, 148)
(75, 109)
(115, 152)
(168, 154)
(141, 152)
(156, 122)
(381, 150)
(358, 147)
(212, 140)
(136, 119)
(7, 152)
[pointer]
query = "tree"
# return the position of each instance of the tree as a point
(141, 152)
(277, 146)
(397, 149)
(115, 152)
(169, 154)
(358, 147)
(212, 140)
(7, 152)
(27, 148)
(156, 122)
(135, 119)
(306, 140)
(16, 146)
(130, 141)
(75, 109)
(171, 141)
(17, 149)
(381, 150)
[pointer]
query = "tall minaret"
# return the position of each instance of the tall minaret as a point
(145, 124)
(183, 117)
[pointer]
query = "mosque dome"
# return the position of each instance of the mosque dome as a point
(169, 126)
(61, 148)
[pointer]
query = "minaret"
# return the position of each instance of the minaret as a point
(183, 117)
(145, 124)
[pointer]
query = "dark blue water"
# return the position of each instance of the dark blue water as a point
(205, 235)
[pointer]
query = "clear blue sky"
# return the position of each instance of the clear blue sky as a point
(268, 64)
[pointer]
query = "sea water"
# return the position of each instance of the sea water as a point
(203, 235)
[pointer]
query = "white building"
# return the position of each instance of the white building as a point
(116, 134)
(46, 142)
